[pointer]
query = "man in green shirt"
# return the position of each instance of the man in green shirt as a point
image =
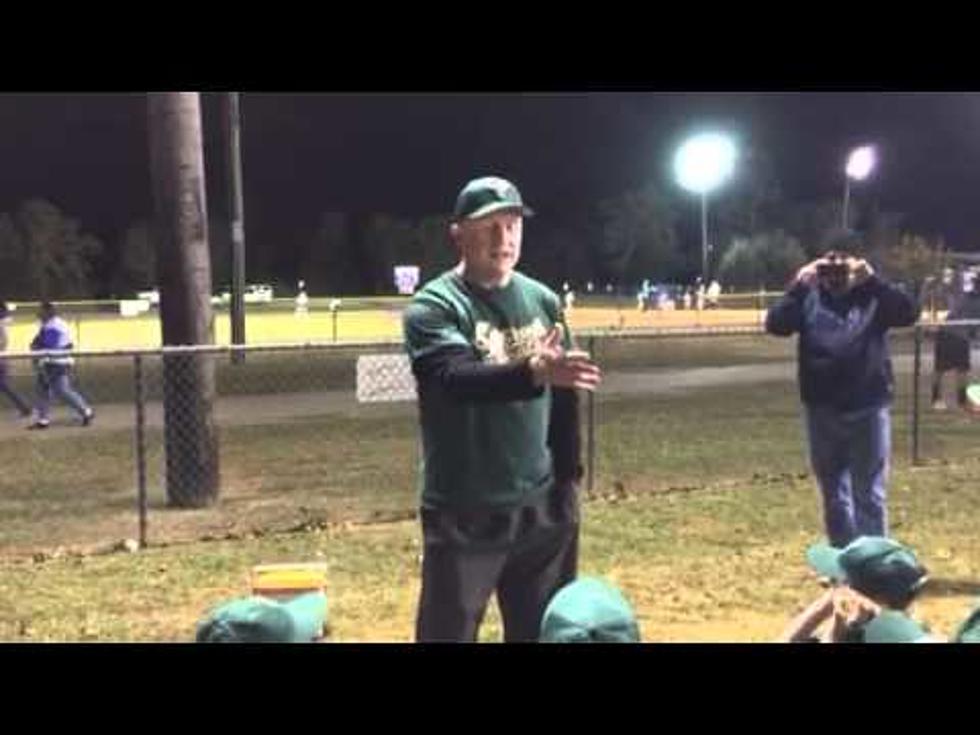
(496, 381)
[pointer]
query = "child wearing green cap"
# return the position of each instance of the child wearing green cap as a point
(301, 619)
(875, 581)
(589, 610)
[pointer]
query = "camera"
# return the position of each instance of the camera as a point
(832, 271)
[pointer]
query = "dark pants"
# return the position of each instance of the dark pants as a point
(952, 352)
(12, 396)
(525, 554)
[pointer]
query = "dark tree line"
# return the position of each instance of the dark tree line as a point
(757, 236)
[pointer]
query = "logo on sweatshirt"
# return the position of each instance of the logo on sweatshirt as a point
(502, 346)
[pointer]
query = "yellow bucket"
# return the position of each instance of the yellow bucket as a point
(282, 581)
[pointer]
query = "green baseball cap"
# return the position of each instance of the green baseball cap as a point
(873, 565)
(969, 630)
(263, 620)
(589, 610)
(892, 626)
(487, 195)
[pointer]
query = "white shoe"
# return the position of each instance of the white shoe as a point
(939, 406)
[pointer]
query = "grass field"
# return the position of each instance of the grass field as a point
(723, 563)
(702, 510)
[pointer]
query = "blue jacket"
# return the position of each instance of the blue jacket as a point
(842, 347)
(53, 335)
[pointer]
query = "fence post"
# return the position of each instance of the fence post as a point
(237, 356)
(140, 399)
(916, 375)
(590, 460)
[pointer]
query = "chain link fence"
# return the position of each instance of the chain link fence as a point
(189, 443)
(217, 442)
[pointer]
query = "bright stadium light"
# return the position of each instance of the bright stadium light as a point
(704, 162)
(701, 165)
(860, 164)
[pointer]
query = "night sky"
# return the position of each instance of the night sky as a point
(408, 154)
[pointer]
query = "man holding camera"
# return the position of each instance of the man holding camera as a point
(842, 312)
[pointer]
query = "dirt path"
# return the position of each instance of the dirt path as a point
(285, 407)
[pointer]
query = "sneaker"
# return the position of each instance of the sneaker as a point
(939, 406)
(88, 418)
(38, 425)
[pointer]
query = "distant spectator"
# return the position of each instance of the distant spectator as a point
(5, 388)
(569, 300)
(713, 294)
(952, 350)
(589, 610)
(302, 300)
(54, 372)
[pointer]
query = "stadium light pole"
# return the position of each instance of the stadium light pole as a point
(702, 164)
(233, 132)
(860, 164)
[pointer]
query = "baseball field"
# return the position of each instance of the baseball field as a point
(355, 320)
(701, 509)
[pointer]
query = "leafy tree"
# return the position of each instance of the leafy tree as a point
(45, 254)
(767, 259)
(136, 264)
(639, 238)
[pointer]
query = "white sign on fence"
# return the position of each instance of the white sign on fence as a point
(406, 279)
(385, 378)
(133, 307)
